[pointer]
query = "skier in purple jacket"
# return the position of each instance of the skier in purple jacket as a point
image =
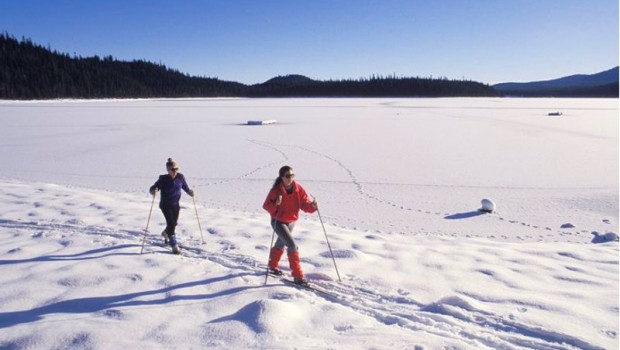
(170, 186)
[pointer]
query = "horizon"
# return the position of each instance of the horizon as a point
(250, 43)
(162, 64)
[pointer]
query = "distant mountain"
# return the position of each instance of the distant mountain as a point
(603, 84)
(290, 79)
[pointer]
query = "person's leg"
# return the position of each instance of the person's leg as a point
(284, 232)
(274, 259)
(275, 254)
(168, 212)
(174, 211)
(295, 264)
(171, 213)
(285, 237)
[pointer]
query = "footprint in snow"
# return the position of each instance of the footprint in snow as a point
(134, 277)
(114, 314)
(340, 254)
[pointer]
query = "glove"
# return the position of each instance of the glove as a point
(191, 193)
(152, 191)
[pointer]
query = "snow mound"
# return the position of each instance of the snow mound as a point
(604, 238)
(270, 316)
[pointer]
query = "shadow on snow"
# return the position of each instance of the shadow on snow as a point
(107, 303)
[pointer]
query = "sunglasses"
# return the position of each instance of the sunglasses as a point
(288, 176)
(173, 169)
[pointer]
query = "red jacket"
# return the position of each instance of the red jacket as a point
(288, 210)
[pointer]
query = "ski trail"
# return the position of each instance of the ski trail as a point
(460, 318)
(451, 317)
(41, 229)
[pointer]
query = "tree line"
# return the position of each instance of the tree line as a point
(30, 71)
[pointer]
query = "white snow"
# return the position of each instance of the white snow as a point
(398, 181)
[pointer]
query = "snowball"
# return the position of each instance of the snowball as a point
(487, 205)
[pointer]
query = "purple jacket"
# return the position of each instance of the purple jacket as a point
(170, 188)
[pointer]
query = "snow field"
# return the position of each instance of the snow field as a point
(399, 184)
(82, 282)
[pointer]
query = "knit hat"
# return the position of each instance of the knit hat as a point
(171, 164)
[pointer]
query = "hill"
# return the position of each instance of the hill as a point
(291, 79)
(602, 84)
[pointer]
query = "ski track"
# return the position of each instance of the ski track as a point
(450, 317)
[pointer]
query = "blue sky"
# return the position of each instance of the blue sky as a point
(251, 41)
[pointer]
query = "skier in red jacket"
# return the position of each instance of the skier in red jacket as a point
(283, 202)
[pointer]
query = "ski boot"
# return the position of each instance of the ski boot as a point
(275, 272)
(301, 281)
(165, 235)
(174, 245)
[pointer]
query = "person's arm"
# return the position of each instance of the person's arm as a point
(307, 205)
(156, 186)
(272, 202)
(186, 188)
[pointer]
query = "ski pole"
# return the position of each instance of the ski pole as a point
(147, 224)
(200, 228)
(273, 235)
(328, 245)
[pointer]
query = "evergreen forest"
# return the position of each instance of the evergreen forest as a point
(31, 71)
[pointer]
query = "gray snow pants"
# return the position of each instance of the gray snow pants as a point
(285, 238)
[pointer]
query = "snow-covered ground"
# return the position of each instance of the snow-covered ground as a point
(398, 181)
